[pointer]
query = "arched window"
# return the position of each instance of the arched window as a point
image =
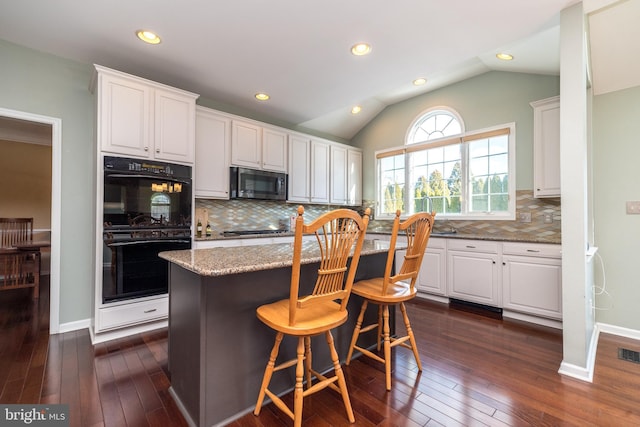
(435, 123)
(443, 168)
(161, 207)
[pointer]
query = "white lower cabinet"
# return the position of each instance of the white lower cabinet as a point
(432, 277)
(132, 313)
(532, 279)
(472, 271)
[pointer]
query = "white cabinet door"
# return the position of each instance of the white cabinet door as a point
(532, 278)
(299, 186)
(354, 177)
(174, 117)
(274, 150)
(472, 271)
(432, 277)
(319, 171)
(141, 118)
(546, 147)
(338, 177)
(532, 285)
(124, 112)
(246, 144)
(213, 142)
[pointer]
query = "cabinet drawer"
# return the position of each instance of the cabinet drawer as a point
(436, 243)
(133, 313)
(532, 249)
(474, 246)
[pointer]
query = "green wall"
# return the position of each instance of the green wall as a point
(616, 180)
(487, 100)
(47, 85)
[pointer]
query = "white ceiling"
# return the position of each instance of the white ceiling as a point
(298, 51)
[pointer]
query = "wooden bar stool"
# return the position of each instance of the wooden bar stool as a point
(394, 290)
(324, 309)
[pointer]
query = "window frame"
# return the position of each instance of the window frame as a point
(463, 139)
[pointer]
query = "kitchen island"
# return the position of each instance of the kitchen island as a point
(218, 349)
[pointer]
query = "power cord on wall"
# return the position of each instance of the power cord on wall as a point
(602, 290)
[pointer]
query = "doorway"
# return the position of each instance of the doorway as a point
(55, 125)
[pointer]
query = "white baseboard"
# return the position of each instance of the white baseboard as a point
(619, 330)
(551, 323)
(431, 297)
(579, 372)
(74, 326)
(124, 332)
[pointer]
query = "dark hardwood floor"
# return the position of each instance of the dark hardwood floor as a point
(477, 371)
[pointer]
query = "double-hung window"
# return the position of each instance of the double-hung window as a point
(441, 168)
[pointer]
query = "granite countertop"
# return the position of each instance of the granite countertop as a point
(244, 259)
(501, 236)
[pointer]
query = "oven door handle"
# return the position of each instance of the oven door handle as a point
(156, 177)
(140, 242)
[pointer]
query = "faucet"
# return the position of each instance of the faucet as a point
(430, 204)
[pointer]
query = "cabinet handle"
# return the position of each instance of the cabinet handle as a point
(470, 247)
(157, 150)
(151, 311)
(532, 250)
(146, 148)
(494, 262)
(504, 263)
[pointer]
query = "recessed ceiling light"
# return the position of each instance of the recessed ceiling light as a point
(360, 49)
(262, 96)
(148, 36)
(420, 81)
(356, 109)
(504, 56)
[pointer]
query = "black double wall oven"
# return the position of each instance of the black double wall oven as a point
(147, 210)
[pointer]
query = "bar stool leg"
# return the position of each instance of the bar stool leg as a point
(341, 381)
(356, 331)
(298, 393)
(387, 345)
(268, 372)
(412, 338)
(308, 359)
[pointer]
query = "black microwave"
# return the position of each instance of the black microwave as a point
(248, 183)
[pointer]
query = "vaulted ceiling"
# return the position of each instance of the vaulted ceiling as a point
(299, 51)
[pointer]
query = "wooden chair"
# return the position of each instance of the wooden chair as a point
(394, 290)
(324, 309)
(15, 230)
(18, 268)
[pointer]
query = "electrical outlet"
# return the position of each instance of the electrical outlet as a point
(633, 208)
(548, 218)
(524, 216)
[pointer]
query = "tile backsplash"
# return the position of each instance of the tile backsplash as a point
(227, 215)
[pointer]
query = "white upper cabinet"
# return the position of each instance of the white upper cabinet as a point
(274, 150)
(258, 147)
(213, 144)
(338, 176)
(141, 118)
(354, 177)
(324, 172)
(246, 144)
(299, 187)
(546, 147)
(320, 161)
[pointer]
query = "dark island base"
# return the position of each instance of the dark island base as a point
(218, 349)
